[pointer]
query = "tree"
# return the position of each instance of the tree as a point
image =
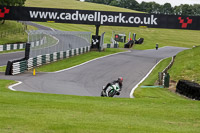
(177, 10)
(167, 9)
(130, 4)
(186, 10)
(143, 6)
(151, 7)
(12, 2)
(196, 9)
(114, 3)
(156, 8)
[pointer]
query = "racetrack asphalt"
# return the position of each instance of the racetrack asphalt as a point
(4, 58)
(88, 79)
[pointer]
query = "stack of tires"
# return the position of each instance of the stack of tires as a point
(129, 44)
(188, 89)
(139, 41)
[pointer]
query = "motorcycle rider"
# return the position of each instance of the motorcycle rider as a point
(118, 81)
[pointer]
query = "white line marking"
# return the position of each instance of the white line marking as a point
(87, 62)
(132, 91)
(11, 86)
(52, 29)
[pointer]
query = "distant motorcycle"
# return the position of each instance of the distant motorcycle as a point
(111, 91)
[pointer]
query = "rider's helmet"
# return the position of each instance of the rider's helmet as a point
(120, 79)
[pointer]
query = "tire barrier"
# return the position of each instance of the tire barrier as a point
(116, 45)
(18, 63)
(23, 65)
(7, 47)
(19, 67)
(14, 64)
(139, 41)
(188, 89)
(129, 44)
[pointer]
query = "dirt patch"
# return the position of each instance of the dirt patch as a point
(172, 86)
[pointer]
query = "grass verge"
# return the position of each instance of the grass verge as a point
(150, 81)
(10, 51)
(76, 60)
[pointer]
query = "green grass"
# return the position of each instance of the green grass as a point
(76, 60)
(2, 68)
(151, 80)
(74, 4)
(10, 51)
(164, 37)
(154, 74)
(12, 27)
(33, 112)
(187, 66)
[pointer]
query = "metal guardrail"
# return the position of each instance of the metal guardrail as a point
(170, 65)
(161, 75)
(57, 41)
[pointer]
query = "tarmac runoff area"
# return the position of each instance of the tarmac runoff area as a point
(88, 79)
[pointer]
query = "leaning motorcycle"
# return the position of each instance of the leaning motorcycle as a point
(110, 91)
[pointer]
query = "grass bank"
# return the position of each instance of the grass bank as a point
(187, 66)
(11, 32)
(74, 4)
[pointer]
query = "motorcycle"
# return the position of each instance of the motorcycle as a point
(110, 91)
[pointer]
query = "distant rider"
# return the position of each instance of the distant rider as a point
(118, 82)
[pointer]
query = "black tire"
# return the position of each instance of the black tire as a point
(111, 93)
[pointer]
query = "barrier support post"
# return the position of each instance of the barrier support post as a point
(97, 29)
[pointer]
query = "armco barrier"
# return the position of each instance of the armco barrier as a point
(161, 75)
(22, 66)
(188, 89)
